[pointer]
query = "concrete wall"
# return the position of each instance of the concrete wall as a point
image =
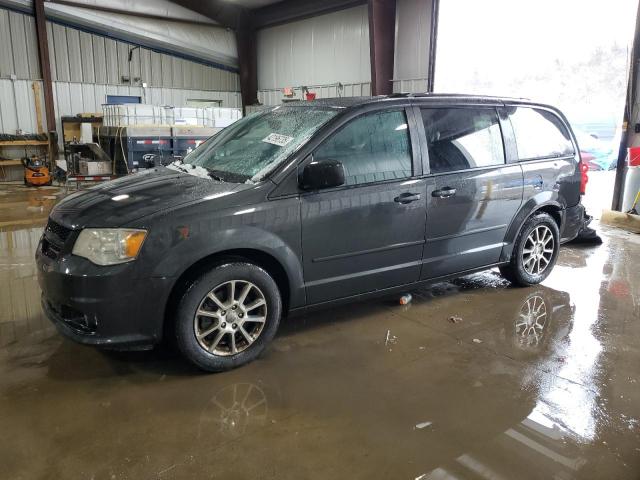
(319, 51)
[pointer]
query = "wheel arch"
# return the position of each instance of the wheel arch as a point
(554, 209)
(251, 255)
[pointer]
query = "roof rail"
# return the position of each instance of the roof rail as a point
(465, 95)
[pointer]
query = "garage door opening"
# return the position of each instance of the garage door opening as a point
(572, 54)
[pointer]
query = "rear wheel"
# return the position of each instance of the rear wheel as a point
(535, 251)
(228, 316)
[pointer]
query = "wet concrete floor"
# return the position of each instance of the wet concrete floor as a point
(534, 383)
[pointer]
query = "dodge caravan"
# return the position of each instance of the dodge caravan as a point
(307, 205)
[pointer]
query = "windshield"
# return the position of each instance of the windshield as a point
(255, 145)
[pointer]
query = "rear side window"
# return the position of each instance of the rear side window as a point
(539, 134)
(372, 148)
(462, 138)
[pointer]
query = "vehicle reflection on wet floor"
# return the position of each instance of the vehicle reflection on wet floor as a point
(539, 382)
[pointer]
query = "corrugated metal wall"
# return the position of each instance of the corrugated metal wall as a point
(199, 42)
(18, 46)
(322, 50)
(17, 101)
(413, 29)
(275, 96)
(86, 67)
(71, 98)
(78, 56)
(87, 58)
(17, 106)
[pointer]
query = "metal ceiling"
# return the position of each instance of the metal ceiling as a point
(240, 14)
(251, 4)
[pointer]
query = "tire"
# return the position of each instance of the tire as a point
(524, 271)
(230, 324)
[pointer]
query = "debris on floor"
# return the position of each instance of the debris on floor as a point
(406, 299)
(588, 236)
(422, 425)
(477, 340)
(454, 319)
(390, 339)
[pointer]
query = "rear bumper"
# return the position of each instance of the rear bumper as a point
(575, 219)
(102, 306)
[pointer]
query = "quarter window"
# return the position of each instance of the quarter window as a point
(539, 134)
(374, 147)
(462, 138)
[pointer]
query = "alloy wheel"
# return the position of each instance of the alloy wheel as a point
(230, 318)
(538, 250)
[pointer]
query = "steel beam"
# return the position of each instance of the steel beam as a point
(248, 64)
(45, 65)
(627, 138)
(241, 21)
(382, 33)
(293, 10)
(433, 40)
(225, 13)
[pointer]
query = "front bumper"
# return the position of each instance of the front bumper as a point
(102, 306)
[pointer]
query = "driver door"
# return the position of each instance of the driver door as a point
(367, 234)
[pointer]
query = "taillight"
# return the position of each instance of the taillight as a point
(584, 177)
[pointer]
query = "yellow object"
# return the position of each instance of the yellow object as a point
(133, 242)
(626, 221)
(635, 202)
(36, 172)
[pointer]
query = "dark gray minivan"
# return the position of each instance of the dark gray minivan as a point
(306, 205)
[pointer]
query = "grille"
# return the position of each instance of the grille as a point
(73, 318)
(58, 230)
(49, 249)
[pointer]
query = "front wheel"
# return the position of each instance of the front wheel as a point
(535, 251)
(228, 316)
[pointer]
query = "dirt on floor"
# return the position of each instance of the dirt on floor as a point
(472, 379)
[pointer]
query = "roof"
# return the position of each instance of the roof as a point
(336, 102)
(346, 102)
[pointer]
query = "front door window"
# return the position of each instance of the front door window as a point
(371, 148)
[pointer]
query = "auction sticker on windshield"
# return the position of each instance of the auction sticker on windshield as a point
(277, 139)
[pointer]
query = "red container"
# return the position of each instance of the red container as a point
(634, 156)
(311, 96)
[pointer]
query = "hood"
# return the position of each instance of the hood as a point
(119, 202)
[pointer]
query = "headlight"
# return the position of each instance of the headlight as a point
(109, 246)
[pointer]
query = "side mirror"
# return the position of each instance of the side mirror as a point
(325, 174)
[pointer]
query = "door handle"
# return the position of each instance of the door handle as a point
(445, 192)
(538, 185)
(407, 197)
